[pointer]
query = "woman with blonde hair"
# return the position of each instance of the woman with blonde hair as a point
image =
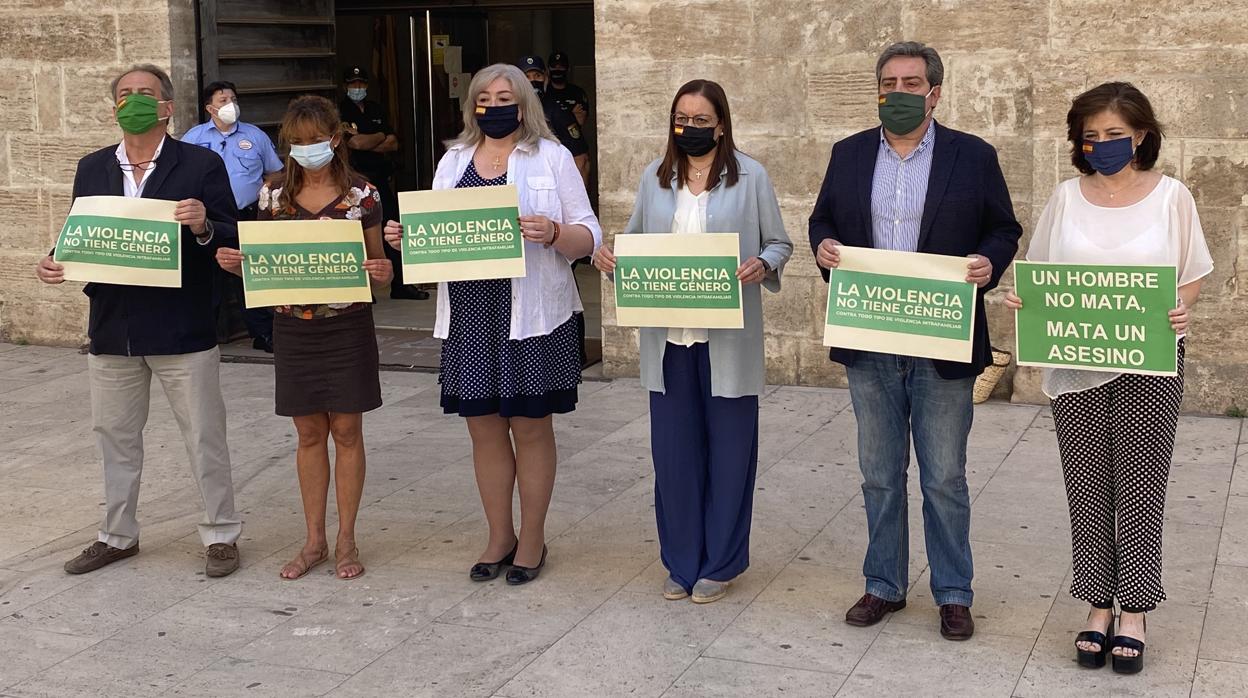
(324, 355)
(510, 355)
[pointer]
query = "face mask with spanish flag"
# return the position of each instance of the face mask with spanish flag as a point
(1109, 157)
(903, 112)
(498, 122)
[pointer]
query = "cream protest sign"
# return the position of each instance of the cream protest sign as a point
(674, 280)
(303, 262)
(461, 234)
(907, 303)
(121, 240)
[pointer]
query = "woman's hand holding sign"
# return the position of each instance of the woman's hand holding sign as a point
(230, 260)
(604, 259)
(380, 271)
(539, 229)
(752, 271)
(1179, 317)
(393, 234)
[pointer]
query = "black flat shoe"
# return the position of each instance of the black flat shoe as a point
(485, 571)
(1128, 665)
(1094, 660)
(518, 575)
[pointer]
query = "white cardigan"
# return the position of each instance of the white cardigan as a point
(549, 185)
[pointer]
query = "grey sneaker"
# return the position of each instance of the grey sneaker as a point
(673, 591)
(99, 554)
(709, 590)
(222, 559)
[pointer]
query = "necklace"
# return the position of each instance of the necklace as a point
(1112, 194)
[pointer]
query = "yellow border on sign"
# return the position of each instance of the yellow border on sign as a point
(295, 232)
(122, 207)
(680, 245)
(918, 265)
(467, 199)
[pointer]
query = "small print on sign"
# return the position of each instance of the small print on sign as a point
(461, 234)
(121, 240)
(671, 280)
(1097, 317)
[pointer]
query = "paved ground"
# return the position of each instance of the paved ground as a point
(595, 624)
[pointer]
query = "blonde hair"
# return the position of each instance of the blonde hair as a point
(533, 125)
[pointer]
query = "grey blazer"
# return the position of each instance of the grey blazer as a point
(750, 209)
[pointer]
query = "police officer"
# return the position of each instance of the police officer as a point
(249, 156)
(572, 100)
(371, 140)
(561, 122)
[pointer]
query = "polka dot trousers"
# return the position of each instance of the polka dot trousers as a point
(1116, 443)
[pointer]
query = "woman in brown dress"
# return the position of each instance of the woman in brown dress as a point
(325, 356)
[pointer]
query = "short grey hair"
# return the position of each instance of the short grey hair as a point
(533, 125)
(913, 49)
(166, 85)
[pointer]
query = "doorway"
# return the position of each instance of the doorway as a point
(418, 53)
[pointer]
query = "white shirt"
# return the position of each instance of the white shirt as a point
(690, 219)
(549, 185)
(127, 178)
(1162, 228)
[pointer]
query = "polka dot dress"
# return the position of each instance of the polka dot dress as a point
(1116, 443)
(483, 371)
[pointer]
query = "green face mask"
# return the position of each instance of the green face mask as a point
(136, 113)
(902, 112)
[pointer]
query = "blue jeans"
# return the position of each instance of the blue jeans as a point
(893, 397)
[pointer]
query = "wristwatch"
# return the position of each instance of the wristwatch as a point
(766, 266)
(207, 229)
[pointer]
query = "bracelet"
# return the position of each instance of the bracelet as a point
(556, 235)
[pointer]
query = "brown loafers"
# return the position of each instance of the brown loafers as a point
(871, 609)
(956, 622)
(97, 555)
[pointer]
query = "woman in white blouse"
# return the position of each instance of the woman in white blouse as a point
(1115, 431)
(510, 350)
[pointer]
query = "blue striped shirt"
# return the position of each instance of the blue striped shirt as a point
(898, 191)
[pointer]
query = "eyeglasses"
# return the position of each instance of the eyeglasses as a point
(695, 121)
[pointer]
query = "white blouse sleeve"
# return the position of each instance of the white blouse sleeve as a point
(1045, 237)
(572, 196)
(1194, 261)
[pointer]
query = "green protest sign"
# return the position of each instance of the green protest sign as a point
(672, 280)
(303, 262)
(904, 303)
(461, 234)
(121, 240)
(1097, 317)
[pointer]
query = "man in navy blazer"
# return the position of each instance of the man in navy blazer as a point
(914, 185)
(140, 331)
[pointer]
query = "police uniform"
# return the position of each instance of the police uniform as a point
(566, 99)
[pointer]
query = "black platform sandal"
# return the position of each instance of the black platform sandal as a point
(1129, 665)
(1094, 660)
(485, 571)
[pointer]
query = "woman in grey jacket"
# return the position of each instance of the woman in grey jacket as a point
(704, 384)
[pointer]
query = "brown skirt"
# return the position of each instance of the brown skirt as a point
(325, 364)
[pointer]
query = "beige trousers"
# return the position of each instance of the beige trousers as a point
(120, 393)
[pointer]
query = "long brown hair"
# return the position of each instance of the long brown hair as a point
(312, 114)
(674, 162)
(1125, 100)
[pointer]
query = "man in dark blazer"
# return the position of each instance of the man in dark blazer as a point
(140, 331)
(913, 185)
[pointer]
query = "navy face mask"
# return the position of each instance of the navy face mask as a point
(498, 122)
(1109, 157)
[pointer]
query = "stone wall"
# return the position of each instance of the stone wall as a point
(57, 58)
(799, 76)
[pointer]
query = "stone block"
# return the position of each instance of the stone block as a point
(1100, 25)
(796, 26)
(841, 94)
(53, 159)
(781, 353)
(619, 351)
(634, 95)
(814, 366)
(20, 208)
(796, 165)
(722, 29)
(1221, 234)
(967, 25)
(1057, 77)
(48, 99)
(79, 37)
(17, 100)
(87, 104)
(797, 310)
(143, 37)
(987, 95)
(1016, 156)
(629, 156)
(763, 95)
(1197, 106)
(1216, 171)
